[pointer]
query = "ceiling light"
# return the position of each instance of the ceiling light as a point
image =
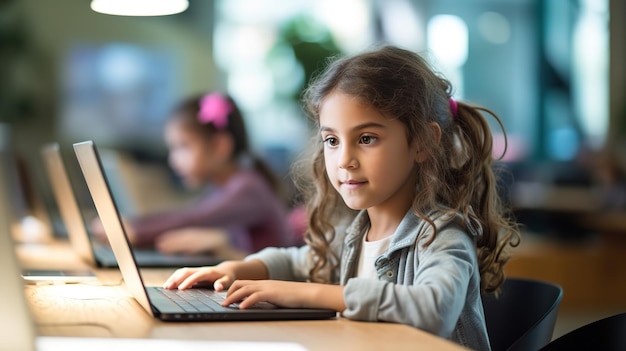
(139, 7)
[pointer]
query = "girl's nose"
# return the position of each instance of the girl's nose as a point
(347, 159)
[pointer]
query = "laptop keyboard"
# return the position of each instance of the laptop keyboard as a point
(192, 300)
(195, 300)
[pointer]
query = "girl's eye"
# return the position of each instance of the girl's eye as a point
(331, 141)
(368, 139)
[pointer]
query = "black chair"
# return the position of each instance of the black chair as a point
(523, 316)
(607, 334)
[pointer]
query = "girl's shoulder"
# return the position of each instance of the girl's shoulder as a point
(444, 219)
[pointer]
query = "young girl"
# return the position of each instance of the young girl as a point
(430, 234)
(241, 212)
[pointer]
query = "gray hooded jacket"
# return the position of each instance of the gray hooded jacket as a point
(435, 288)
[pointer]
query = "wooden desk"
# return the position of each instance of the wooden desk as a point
(106, 309)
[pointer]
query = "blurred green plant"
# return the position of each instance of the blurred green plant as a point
(302, 49)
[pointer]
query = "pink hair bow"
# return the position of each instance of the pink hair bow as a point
(454, 107)
(214, 108)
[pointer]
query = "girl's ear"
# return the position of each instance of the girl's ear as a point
(422, 154)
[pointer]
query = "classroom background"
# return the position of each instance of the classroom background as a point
(552, 70)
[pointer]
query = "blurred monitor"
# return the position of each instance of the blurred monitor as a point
(118, 93)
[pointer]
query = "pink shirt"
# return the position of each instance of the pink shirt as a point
(246, 207)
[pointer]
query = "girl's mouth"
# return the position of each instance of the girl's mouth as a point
(352, 184)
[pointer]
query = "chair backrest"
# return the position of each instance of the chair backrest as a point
(523, 316)
(606, 334)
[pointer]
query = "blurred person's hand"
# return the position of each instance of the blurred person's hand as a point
(193, 241)
(97, 231)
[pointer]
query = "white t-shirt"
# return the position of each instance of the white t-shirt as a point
(370, 251)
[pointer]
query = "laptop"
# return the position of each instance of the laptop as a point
(85, 245)
(199, 304)
(29, 219)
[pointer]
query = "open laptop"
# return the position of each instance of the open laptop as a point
(85, 245)
(29, 218)
(199, 304)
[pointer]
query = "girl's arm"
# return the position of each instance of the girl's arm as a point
(242, 201)
(285, 263)
(288, 269)
(286, 294)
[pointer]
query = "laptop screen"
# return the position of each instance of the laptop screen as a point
(66, 201)
(109, 214)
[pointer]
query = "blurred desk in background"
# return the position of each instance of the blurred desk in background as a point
(592, 272)
(565, 212)
(610, 225)
(539, 196)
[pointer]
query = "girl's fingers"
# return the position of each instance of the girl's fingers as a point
(250, 301)
(206, 275)
(185, 278)
(244, 293)
(193, 279)
(176, 278)
(223, 283)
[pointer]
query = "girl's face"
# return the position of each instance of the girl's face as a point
(190, 154)
(368, 159)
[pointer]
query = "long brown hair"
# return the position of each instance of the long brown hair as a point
(458, 172)
(187, 111)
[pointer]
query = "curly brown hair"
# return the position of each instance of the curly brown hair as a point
(459, 172)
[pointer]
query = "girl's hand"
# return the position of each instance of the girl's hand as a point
(221, 276)
(277, 292)
(286, 294)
